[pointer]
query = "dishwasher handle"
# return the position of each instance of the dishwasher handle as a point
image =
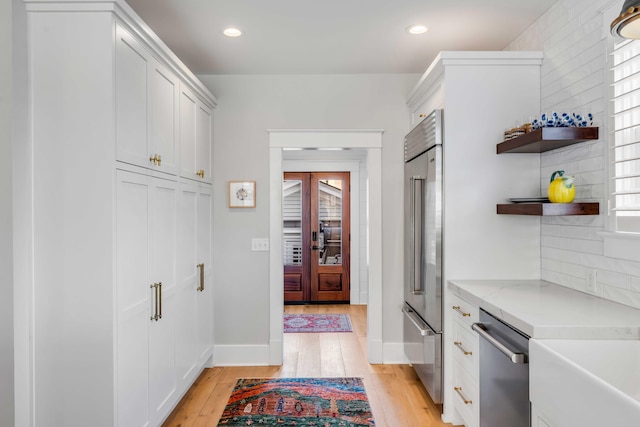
(517, 358)
(424, 329)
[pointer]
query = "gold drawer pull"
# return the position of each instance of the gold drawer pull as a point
(200, 173)
(457, 308)
(459, 345)
(422, 115)
(464, 399)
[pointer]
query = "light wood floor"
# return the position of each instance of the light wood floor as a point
(395, 393)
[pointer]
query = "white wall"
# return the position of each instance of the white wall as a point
(248, 106)
(574, 35)
(6, 235)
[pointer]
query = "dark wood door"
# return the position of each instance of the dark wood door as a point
(316, 238)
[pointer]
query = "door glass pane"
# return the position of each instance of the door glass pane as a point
(292, 221)
(330, 218)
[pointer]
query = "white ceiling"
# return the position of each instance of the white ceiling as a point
(331, 36)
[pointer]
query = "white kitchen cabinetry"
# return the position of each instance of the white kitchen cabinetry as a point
(146, 287)
(195, 137)
(465, 348)
(194, 284)
(105, 223)
(146, 107)
(478, 93)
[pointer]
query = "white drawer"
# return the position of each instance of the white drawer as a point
(466, 396)
(462, 310)
(466, 347)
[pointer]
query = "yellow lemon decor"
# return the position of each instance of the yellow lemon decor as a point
(561, 188)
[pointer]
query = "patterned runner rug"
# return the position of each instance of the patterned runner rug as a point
(300, 402)
(317, 323)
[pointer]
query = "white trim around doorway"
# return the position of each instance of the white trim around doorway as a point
(366, 140)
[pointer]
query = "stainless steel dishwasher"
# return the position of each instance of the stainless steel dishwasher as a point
(504, 373)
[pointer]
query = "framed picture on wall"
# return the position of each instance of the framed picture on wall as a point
(242, 194)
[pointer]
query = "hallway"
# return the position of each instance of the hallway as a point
(395, 393)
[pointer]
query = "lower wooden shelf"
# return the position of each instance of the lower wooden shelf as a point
(550, 209)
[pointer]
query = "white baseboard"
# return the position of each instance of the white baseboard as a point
(374, 351)
(393, 353)
(276, 356)
(241, 355)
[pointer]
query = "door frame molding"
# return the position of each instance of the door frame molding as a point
(318, 139)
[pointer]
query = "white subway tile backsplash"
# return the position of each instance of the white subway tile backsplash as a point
(621, 296)
(574, 39)
(611, 278)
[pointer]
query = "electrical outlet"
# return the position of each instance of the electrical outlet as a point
(592, 281)
(259, 244)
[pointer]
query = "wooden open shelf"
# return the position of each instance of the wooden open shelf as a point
(545, 139)
(550, 209)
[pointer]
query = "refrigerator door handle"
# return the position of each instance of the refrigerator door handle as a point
(415, 280)
(424, 329)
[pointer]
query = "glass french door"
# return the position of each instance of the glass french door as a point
(316, 236)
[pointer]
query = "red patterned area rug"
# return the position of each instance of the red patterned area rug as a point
(317, 323)
(300, 402)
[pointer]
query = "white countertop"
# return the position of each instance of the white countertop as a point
(542, 309)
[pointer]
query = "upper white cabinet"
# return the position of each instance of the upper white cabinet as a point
(110, 307)
(146, 107)
(195, 137)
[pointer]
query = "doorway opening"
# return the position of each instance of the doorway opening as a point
(316, 237)
(311, 150)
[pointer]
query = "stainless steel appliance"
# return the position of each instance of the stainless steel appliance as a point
(423, 252)
(504, 373)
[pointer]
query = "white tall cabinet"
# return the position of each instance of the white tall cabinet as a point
(120, 218)
(481, 94)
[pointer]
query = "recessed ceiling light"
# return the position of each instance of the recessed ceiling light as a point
(416, 29)
(232, 32)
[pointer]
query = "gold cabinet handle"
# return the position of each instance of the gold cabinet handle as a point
(160, 300)
(155, 297)
(156, 159)
(422, 115)
(200, 173)
(201, 287)
(457, 308)
(464, 399)
(459, 345)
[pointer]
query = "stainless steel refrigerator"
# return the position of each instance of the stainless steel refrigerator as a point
(423, 252)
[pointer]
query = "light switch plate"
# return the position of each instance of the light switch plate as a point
(259, 244)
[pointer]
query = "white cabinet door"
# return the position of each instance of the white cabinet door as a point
(134, 298)
(195, 137)
(164, 119)
(146, 107)
(186, 321)
(146, 230)
(188, 110)
(194, 325)
(162, 361)
(203, 141)
(131, 97)
(203, 253)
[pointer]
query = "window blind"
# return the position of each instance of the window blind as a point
(625, 141)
